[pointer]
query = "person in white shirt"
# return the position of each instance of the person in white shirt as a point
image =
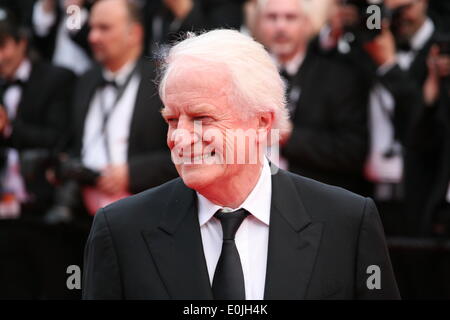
(115, 106)
(326, 99)
(233, 226)
(35, 98)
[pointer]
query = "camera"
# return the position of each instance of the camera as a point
(73, 169)
(357, 30)
(69, 172)
(35, 162)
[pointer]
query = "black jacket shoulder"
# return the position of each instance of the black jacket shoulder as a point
(323, 201)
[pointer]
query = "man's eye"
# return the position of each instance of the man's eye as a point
(202, 118)
(271, 17)
(172, 121)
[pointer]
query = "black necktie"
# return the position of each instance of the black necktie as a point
(287, 78)
(15, 82)
(404, 46)
(228, 282)
(104, 82)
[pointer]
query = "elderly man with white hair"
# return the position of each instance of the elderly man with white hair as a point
(230, 227)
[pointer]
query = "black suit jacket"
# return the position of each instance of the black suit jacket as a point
(322, 239)
(330, 138)
(429, 166)
(41, 120)
(149, 160)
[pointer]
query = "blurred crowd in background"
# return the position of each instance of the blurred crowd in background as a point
(368, 91)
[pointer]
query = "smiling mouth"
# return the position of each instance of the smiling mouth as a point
(202, 157)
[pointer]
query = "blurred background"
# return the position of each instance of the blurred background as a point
(368, 90)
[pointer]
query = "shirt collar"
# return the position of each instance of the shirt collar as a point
(121, 75)
(257, 203)
(23, 71)
(292, 65)
(422, 35)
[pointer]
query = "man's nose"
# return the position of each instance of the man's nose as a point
(280, 23)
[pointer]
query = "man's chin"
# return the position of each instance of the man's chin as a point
(196, 176)
(284, 50)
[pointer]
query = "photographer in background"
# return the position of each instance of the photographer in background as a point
(33, 115)
(117, 145)
(430, 144)
(326, 100)
(54, 40)
(400, 53)
(428, 199)
(393, 60)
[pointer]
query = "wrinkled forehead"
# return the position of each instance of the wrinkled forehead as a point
(108, 12)
(280, 6)
(193, 75)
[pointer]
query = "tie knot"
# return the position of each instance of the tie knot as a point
(231, 222)
(105, 82)
(285, 75)
(15, 82)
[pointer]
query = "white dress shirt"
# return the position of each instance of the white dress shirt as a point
(417, 42)
(251, 239)
(94, 153)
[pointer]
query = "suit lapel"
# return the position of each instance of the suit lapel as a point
(147, 100)
(293, 242)
(177, 250)
(300, 82)
(86, 93)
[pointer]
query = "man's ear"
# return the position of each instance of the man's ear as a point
(265, 123)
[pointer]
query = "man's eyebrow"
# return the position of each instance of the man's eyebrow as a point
(200, 108)
(166, 112)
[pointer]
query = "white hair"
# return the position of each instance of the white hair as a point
(257, 85)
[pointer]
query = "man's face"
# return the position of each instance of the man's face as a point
(204, 100)
(110, 31)
(282, 27)
(11, 54)
(411, 17)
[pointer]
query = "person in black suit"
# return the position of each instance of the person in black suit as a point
(34, 111)
(326, 99)
(400, 54)
(428, 197)
(430, 141)
(282, 236)
(392, 64)
(33, 116)
(60, 32)
(117, 131)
